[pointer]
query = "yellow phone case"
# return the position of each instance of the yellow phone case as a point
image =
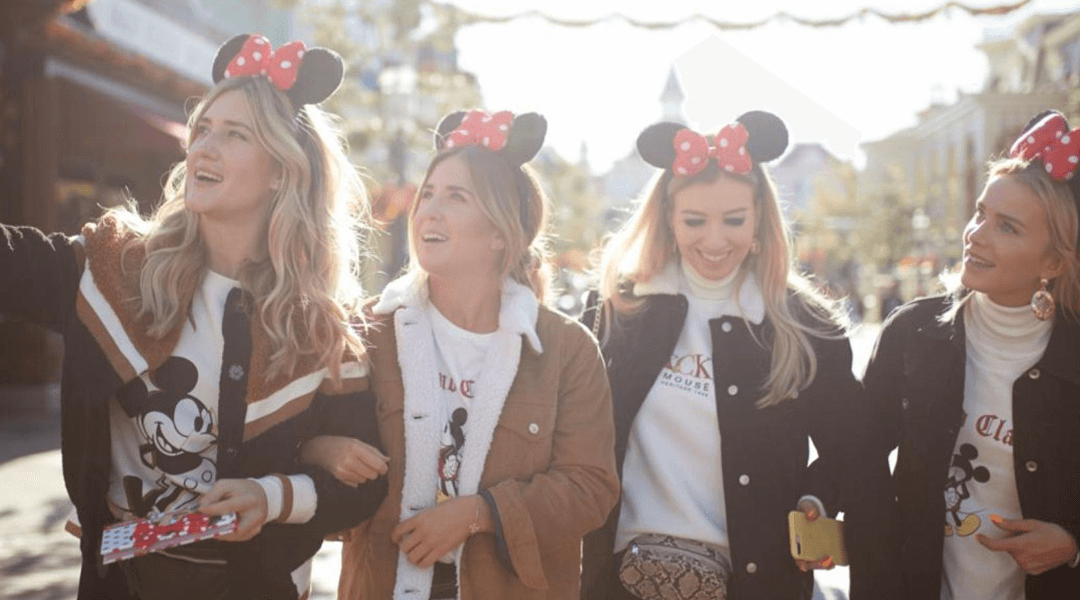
(814, 540)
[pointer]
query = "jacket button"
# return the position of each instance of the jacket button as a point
(744, 479)
(1034, 374)
(904, 403)
(751, 568)
(534, 428)
(1031, 466)
(726, 327)
(230, 452)
(732, 390)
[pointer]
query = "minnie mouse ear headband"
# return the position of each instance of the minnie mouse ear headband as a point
(515, 138)
(755, 137)
(304, 75)
(1047, 137)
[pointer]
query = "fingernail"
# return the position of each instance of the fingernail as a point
(996, 519)
(828, 562)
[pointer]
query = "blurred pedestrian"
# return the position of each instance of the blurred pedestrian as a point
(495, 410)
(978, 388)
(204, 343)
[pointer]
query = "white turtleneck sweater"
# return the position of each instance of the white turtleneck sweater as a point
(1002, 343)
(673, 483)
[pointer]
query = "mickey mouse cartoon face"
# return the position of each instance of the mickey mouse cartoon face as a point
(177, 425)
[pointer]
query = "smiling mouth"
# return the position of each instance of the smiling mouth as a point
(720, 257)
(433, 238)
(977, 261)
(207, 177)
(162, 443)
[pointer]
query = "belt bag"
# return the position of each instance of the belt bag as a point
(664, 567)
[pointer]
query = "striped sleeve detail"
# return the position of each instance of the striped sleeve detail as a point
(282, 405)
(353, 379)
(104, 325)
(290, 499)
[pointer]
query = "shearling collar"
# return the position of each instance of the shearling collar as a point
(748, 303)
(518, 309)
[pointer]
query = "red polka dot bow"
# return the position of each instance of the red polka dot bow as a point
(257, 57)
(1051, 141)
(478, 128)
(692, 151)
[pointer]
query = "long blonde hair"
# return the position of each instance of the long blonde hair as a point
(1062, 222)
(306, 289)
(645, 244)
(520, 220)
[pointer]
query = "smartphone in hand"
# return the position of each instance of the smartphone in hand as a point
(814, 540)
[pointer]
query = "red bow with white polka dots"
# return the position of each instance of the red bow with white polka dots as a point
(1051, 141)
(478, 128)
(257, 57)
(692, 151)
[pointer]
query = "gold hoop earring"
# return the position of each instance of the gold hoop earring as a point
(1042, 303)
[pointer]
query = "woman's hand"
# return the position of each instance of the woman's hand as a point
(348, 459)
(1037, 546)
(810, 509)
(432, 534)
(244, 497)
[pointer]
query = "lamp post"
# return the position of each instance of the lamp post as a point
(920, 222)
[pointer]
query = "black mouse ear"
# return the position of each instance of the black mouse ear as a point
(768, 135)
(656, 144)
(525, 138)
(446, 126)
(319, 75)
(1038, 119)
(225, 53)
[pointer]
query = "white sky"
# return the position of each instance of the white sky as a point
(843, 85)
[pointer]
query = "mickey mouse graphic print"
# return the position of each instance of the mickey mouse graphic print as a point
(165, 422)
(1001, 343)
(461, 357)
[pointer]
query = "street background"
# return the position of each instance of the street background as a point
(893, 109)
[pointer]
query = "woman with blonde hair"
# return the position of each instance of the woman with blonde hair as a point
(203, 344)
(978, 388)
(495, 410)
(723, 363)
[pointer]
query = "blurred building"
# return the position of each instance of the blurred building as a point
(625, 182)
(818, 193)
(923, 181)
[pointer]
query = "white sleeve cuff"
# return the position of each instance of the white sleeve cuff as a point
(817, 502)
(1075, 562)
(289, 499)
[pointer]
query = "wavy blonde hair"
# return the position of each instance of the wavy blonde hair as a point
(1062, 222)
(520, 221)
(645, 244)
(306, 289)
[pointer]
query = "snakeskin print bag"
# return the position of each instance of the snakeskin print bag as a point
(664, 567)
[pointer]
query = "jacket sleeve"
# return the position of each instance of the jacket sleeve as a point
(872, 519)
(340, 506)
(834, 398)
(557, 507)
(39, 275)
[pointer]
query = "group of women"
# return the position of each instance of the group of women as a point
(465, 441)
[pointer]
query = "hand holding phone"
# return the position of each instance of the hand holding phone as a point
(814, 540)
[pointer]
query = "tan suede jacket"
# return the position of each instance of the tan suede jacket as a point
(550, 470)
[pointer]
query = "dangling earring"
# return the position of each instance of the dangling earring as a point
(1042, 303)
(755, 247)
